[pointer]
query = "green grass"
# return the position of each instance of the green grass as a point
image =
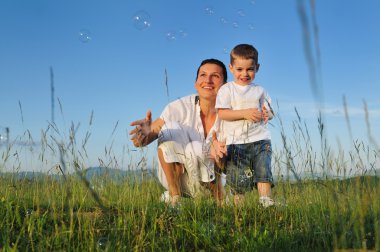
(47, 215)
(316, 214)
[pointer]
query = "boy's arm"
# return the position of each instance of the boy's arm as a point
(251, 114)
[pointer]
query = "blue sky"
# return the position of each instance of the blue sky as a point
(118, 73)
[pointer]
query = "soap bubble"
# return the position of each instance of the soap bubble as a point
(29, 212)
(225, 50)
(241, 13)
(209, 10)
(85, 35)
(223, 20)
(235, 24)
(171, 35)
(3, 137)
(209, 228)
(251, 27)
(141, 20)
(102, 243)
(182, 33)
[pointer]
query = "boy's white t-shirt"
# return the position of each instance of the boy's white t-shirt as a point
(234, 96)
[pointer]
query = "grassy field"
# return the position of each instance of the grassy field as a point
(336, 207)
(318, 215)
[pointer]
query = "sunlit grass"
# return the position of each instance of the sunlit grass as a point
(319, 212)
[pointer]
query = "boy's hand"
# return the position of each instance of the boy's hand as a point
(265, 114)
(253, 115)
(142, 130)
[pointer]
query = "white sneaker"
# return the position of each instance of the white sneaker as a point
(165, 197)
(266, 201)
(173, 201)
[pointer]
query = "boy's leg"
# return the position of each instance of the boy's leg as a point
(263, 172)
(264, 189)
(238, 173)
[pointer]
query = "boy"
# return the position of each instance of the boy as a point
(245, 109)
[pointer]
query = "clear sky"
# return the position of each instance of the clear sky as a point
(110, 58)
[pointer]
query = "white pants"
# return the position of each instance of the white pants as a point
(176, 148)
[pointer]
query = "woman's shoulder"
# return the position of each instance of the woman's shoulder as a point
(185, 100)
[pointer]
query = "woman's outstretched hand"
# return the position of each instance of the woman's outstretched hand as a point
(141, 131)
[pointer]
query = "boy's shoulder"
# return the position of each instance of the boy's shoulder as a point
(257, 86)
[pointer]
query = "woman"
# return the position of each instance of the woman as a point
(188, 148)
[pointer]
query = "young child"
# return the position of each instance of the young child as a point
(245, 109)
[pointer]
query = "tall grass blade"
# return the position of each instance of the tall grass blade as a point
(52, 93)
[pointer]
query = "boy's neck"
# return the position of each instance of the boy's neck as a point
(243, 84)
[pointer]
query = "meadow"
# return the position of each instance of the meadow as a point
(322, 206)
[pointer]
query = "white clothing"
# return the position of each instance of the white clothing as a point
(234, 96)
(182, 140)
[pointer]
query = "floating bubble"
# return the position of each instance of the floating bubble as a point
(209, 228)
(141, 20)
(241, 13)
(85, 35)
(235, 24)
(209, 10)
(29, 212)
(102, 243)
(225, 50)
(171, 35)
(251, 27)
(223, 20)
(182, 33)
(3, 138)
(280, 203)
(253, 1)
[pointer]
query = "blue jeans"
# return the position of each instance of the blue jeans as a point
(248, 164)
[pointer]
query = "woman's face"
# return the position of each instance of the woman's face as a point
(210, 79)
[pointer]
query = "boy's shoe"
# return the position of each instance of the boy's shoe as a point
(266, 201)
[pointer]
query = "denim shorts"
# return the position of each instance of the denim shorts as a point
(248, 164)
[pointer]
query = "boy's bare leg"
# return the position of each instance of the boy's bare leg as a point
(173, 172)
(264, 189)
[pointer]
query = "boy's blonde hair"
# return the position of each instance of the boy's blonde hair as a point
(244, 51)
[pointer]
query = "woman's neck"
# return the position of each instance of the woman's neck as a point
(208, 115)
(207, 108)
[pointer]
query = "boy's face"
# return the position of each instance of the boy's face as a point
(210, 79)
(244, 71)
